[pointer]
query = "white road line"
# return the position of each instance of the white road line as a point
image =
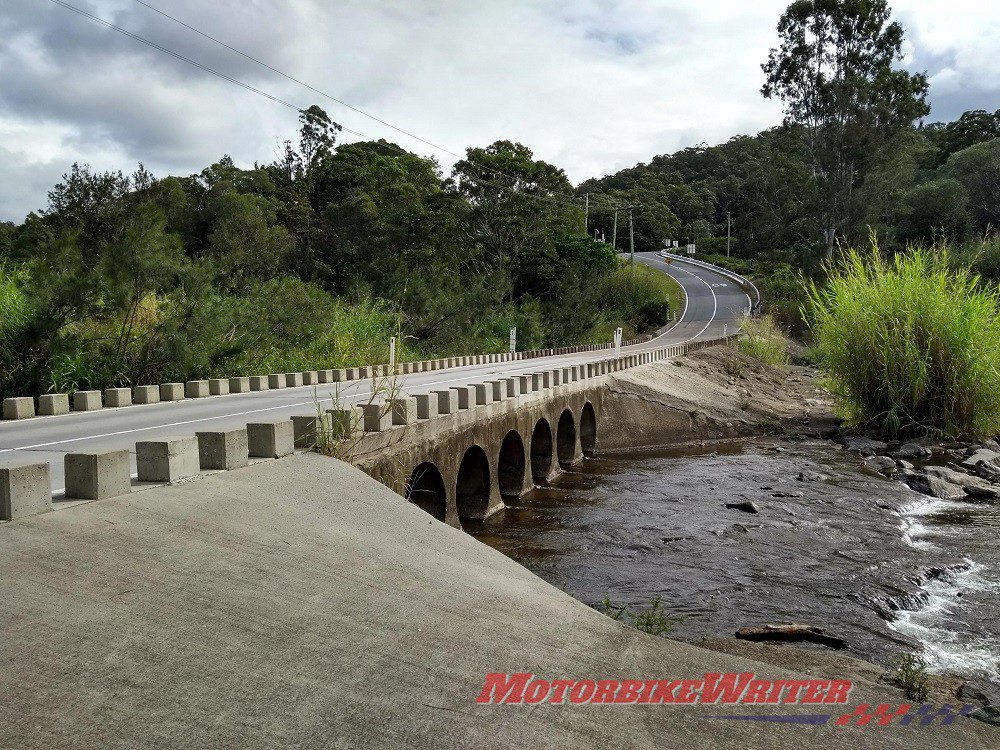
(715, 300)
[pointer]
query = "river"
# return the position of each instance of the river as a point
(875, 563)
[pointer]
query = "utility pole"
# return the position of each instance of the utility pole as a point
(631, 238)
(614, 233)
(586, 213)
(729, 231)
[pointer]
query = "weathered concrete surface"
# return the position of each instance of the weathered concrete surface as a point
(712, 394)
(299, 604)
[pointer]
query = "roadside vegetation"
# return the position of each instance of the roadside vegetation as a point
(313, 261)
(762, 339)
(911, 343)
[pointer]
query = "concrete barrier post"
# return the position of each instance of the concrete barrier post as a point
(498, 389)
(427, 405)
(239, 385)
(167, 460)
(378, 417)
(224, 449)
(512, 387)
(404, 410)
(447, 401)
(484, 394)
(171, 391)
(310, 377)
(276, 380)
(270, 439)
(364, 373)
(52, 404)
(146, 394)
(293, 379)
(523, 383)
(309, 430)
(19, 407)
(196, 389)
(116, 397)
(218, 386)
(466, 396)
(556, 377)
(24, 490)
(259, 382)
(87, 401)
(92, 475)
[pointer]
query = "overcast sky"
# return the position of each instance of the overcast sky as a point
(591, 85)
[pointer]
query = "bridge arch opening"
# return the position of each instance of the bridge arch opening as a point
(588, 429)
(541, 451)
(511, 464)
(472, 493)
(426, 490)
(566, 438)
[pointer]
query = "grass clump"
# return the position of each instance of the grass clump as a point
(910, 674)
(912, 344)
(653, 619)
(762, 339)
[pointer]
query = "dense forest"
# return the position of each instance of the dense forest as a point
(310, 262)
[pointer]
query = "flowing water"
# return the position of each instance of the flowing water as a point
(885, 568)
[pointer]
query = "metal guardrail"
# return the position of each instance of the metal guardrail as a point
(755, 298)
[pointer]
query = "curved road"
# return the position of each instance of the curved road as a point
(714, 304)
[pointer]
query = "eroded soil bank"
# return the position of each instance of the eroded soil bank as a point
(786, 527)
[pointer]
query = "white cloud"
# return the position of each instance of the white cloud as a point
(593, 86)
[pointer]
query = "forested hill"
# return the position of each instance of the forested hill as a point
(929, 182)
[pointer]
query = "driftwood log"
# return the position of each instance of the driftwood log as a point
(791, 632)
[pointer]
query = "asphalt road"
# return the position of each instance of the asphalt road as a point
(714, 305)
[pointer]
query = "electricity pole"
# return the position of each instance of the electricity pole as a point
(586, 213)
(729, 231)
(631, 238)
(614, 233)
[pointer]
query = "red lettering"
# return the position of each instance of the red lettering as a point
(605, 691)
(582, 691)
(537, 690)
(664, 691)
(729, 688)
(689, 690)
(816, 691)
(559, 688)
(840, 691)
(629, 691)
(509, 689)
(794, 686)
(757, 691)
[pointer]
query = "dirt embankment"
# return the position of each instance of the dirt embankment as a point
(713, 394)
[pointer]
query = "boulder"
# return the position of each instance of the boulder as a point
(973, 485)
(935, 487)
(881, 464)
(863, 446)
(912, 450)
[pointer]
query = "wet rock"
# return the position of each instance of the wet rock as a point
(935, 487)
(747, 506)
(912, 450)
(902, 463)
(881, 464)
(973, 485)
(783, 493)
(982, 456)
(863, 446)
(986, 697)
(811, 476)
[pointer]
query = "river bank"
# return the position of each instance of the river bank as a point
(791, 527)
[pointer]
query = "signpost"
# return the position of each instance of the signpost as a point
(618, 342)
(513, 340)
(392, 354)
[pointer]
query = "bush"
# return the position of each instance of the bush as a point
(912, 346)
(763, 340)
(639, 296)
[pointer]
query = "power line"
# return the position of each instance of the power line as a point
(276, 99)
(329, 96)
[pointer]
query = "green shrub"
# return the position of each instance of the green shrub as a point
(912, 346)
(762, 339)
(910, 674)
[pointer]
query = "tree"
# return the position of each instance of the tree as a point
(834, 72)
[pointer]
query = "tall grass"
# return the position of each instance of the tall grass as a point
(763, 340)
(912, 344)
